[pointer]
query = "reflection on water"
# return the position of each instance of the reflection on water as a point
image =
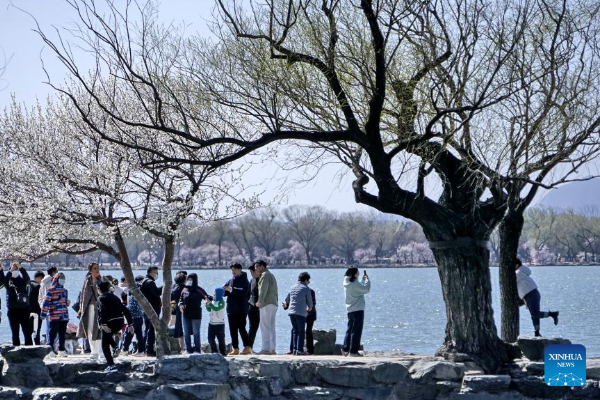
(405, 310)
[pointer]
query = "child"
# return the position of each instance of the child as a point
(56, 310)
(216, 326)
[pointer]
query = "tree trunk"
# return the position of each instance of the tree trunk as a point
(162, 345)
(510, 232)
(466, 287)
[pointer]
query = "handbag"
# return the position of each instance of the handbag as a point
(22, 298)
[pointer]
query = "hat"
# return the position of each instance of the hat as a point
(219, 292)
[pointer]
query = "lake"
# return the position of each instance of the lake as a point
(405, 311)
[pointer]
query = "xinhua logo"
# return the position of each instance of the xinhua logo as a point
(564, 365)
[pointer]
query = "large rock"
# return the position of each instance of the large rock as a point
(589, 390)
(94, 377)
(593, 368)
(485, 383)
(426, 370)
(535, 387)
(196, 367)
(276, 369)
(346, 376)
(46, 393)
(533, 347)
(313, 393)
(11, 393)
(250, 388)
(324, 341)
(24, 353)
(390, 373)
(24, 366)
(191, 391)
(135, 388)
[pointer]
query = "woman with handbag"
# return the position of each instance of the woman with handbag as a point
(16, 282)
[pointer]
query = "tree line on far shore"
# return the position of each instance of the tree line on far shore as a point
(314, 235)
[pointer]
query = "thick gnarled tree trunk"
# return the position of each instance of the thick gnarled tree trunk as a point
(510, 231)
(463, 267)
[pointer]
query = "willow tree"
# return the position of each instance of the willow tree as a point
(551, 124)
(411, 97)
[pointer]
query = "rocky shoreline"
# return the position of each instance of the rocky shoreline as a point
(28, 373)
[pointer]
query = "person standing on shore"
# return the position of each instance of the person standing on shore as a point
(111, 318)
(137, 316)
(190, 305)
(267, 303)
(88, 312)
(175, 311)
(35, 310)
(310, 322)
(253, 311)
(153, 295)
(44, 286)
(216, 325)
(528, 292)
(56, 310)
(237, 291)
(299, 302)
(16, 283)
(355, 307)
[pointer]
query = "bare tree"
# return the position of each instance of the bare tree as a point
(265, 228)
(351, 230)
(551, 121)
(307, 225)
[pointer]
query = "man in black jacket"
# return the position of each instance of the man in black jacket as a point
(34, 306)
(153, 295)
(16, 282)
(111, 318)
(237, 291)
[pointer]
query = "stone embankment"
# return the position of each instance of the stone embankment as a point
(28, 374)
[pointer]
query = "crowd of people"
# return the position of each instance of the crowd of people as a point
(110, 315)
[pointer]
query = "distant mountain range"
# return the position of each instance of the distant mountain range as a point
(574, 195)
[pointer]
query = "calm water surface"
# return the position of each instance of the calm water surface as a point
(405, 310)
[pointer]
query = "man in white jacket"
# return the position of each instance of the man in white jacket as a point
(528, 291)
(44, 286)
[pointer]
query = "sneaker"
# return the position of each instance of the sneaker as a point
(355, 355)
(554, 315)
(150, 354)
(110, 369)
(289, 353)
(116, 352)
(247, 351)
(264, 352)
(234, 352)
(344, 353)
(301, 353)
(137, 354)
(62, 354)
